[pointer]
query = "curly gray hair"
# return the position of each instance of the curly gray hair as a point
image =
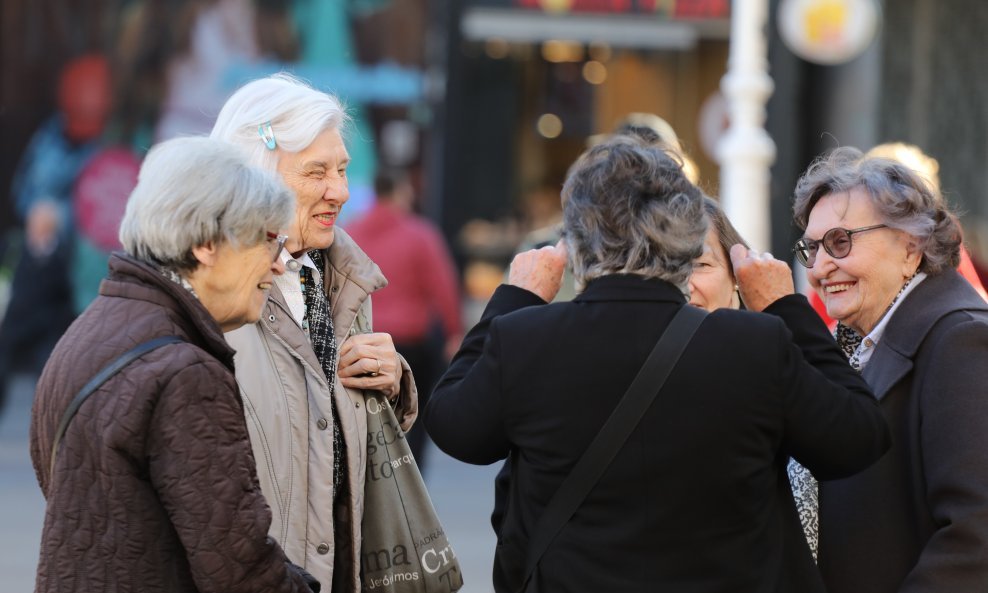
(628, 208)
(900, 196)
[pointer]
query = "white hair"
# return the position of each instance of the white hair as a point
(191, 191)
(296, 112)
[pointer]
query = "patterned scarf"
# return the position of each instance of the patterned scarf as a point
(318, 323)
(849, 340)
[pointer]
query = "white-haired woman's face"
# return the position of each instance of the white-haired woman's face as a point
(317, 175)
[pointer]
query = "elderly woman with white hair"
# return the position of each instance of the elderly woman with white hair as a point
(137, 433)
(304, 368)
(881, 248)
(696, 497)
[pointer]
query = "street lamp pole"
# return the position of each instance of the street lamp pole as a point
(746, 151)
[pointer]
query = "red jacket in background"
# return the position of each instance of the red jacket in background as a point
(422, 281)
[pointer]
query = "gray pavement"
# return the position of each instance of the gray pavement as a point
(22, 508)
(462, 494)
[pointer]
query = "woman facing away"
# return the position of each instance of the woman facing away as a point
(153, 485)
(697, 499)
(304, 367)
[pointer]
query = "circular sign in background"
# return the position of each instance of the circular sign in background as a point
(101, 194)
(828, 31)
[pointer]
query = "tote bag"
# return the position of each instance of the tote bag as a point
(404, 547)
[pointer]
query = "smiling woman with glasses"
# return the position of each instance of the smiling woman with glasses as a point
(152, 485)
(914, 327)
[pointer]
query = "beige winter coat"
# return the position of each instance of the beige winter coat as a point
(286, 403)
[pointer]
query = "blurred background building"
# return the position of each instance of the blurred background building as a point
(488, 101)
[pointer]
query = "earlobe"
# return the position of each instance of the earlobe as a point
(205, 253)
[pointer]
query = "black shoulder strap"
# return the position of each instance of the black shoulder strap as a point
(613, 434)
(101, 377)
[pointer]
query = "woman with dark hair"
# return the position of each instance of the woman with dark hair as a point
(712, 283)
(697, 499)
(881, 249)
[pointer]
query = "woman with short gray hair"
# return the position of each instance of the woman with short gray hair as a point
(151, 485)
(880, 247)
(615, 221)
(315, 349)
(697, 498)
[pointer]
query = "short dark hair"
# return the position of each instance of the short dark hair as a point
(386, 180)
(727, 235)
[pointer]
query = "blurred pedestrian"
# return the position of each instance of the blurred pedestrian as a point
(304, 368)
(152, 486)
(697, 498)
(420, 306)
(41, 305)
(881, 249)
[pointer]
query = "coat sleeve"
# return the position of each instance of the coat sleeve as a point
(202, 468)
(833, 424)
(464, 415)
(953, 438)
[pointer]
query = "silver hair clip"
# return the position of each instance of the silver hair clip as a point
(267, 135)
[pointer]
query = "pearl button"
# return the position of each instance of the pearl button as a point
(868, 342)
(293, 265)
(323, 549)
(322, 424)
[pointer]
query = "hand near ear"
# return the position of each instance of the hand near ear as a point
(761, 278)
(539, 270)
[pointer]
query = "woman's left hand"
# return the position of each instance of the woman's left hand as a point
(370, 361)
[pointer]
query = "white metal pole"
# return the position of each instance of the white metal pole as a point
(746, 151)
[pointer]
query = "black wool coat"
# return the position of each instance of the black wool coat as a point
(917, 521)
(698, 499)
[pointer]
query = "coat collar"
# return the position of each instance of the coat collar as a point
(131, 278)
(630, 287)
(348, 260)
(932, 300)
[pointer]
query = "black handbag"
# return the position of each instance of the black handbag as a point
(613, 434)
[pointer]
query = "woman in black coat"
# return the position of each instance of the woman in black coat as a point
(697, 499)
(881, 248)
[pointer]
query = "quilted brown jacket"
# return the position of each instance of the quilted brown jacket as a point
(154, 487)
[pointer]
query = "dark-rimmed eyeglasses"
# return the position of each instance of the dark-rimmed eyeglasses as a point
(836, 241)
(279, 243)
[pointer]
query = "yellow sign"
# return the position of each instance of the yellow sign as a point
(828, 31)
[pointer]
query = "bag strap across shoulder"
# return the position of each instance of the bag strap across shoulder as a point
(614, 433)
(102, 377)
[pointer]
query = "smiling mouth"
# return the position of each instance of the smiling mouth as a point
(841, 287)
(264, 285)
(325, 218)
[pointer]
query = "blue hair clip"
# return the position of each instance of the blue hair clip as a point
(267, 135)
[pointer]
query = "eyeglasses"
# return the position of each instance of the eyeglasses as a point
(836, 241)
(279, 243)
